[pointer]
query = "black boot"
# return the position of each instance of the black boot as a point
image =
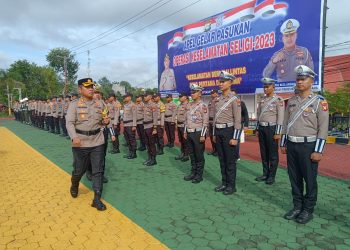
(185, 158)
(104, 179)
(160, 151)
(88, 175)
(74, 189)
(220, 188)
(179, 157)
(127, 155)
(97, 203)
(171, 145)
(148, 160)
(199, 173)
(132, 155)
(192, 175)
(152, 162)
(261, 178)
(142, 148)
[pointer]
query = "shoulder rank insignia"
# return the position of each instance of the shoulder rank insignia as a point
(324, 105)
(238, 102)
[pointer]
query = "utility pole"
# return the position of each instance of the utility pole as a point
(8, 99)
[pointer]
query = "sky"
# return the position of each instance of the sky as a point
(30, 29)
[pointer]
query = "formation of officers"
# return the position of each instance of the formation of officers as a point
(300, 128)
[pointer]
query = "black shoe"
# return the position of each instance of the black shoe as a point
(304, 217)
(127, 156)
(104, 179)
(185, 158)
(197, 180)
(142, 148)
(229, 191)
(292, 214)
(97, 203)
(167, 145)
(189, 177)
(270, 181)
(220, 188)
(132, 156)
(145, 162)
(160, 152)
(74, 189)
(114, 151)
(212, 152)
(179, 157)
(171, 145)
(261, 178)
(152, 162)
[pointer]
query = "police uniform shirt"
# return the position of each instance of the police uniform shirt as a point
(170, 112)
(197, 116)
(60, 109)
(274, 113)
(231, 114)
(285, 66)
(85, 116)
(149, 115)
(312, 122)
(167, 80)
(160, 113)
(129, 115)
(55, 109)
(139, 112)
(48, 109)
(211, 107)
(181, 113)
(65, 107)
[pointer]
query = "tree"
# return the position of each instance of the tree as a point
(55, 58)
(106, 86)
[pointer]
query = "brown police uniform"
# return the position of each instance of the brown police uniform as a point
(160, 111)
(150, 121)
(169, 122)
(181, 117)
(139, 127)
(129, 121)
(114, 115)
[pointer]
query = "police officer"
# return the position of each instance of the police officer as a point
(304, 135)
(129, 122)
(139, 121)
(60, 107)
(84, 122)
(114, 107)
(181, 117)
(167, 78)
(227, 129)
(65, 108)
(270, 115)
(48, 114)
(55, 114)
(169, 120)
(286, 59)
(160, 124)
(150, 121)
(214, 94)
(196, 125)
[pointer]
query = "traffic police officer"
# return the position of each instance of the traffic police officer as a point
(169, 120)
(227, 129)
(181, 117)
(304, 135)
(214, 94)
(286, 59)
(196, 125)
(129, 122)
(150, 121)
(84, 122)
(270, 115)
(160, 124)
(139, 121)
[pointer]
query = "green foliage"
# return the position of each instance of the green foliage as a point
(55, 58)
(339, 102)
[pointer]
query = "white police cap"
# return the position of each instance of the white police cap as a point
(226, 76)
(303, 70)
(268, 81)
(289, 26)
(195, 87)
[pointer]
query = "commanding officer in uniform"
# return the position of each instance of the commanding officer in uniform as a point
(160, 125)
(167, 79)
(84, 119)
(150, 121)
(304, 136)
(270, 121)
(114, 107)
(227, 129)
(211, 106)
(196, 125)
(139, 120)
(286, 59)
(129, 122)
(169, 120)
(181, 117)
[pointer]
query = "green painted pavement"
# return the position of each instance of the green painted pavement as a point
(188, 216)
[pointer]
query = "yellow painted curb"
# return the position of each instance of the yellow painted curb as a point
(330, 140)
(37, 211)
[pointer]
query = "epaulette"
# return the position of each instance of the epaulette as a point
(320, 97)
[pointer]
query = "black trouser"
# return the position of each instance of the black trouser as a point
(141, 133)
(170, 131)
(130, 138)
(82, 157)
(57, 124)
(227, 156)
(268, 150)
(213, 146)
(115, 143)
(300, 167)
(63, 125)
(150, 142)
(47, 122)
(196, 152)
(160, 137)
(42, 120)
(183, 143)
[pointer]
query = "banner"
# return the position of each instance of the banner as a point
(256, 39)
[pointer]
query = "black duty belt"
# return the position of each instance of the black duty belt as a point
(167, 116)
(149, 122)
(211, 118)
(128, 121)
(138, 120)
(179, 123)
(88, 133)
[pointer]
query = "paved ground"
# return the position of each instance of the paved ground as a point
(186, 216)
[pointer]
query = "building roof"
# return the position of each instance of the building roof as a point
(337, 71)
